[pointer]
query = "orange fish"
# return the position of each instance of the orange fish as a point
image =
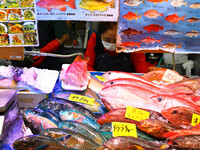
(152, 13)
(130, 43)
(153, 27)
(56, 4)
(130, 15)
(157, 1)
(150, 40)
(174, 18)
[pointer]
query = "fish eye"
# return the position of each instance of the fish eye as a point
(111, 82)
(159, 99)
(109, 73)
(175, 112)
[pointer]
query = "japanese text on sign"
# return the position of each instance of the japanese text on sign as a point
(124, 129)
(81, 99)
(195, 119)
(171, 76)
(136, 114)
(100, 78)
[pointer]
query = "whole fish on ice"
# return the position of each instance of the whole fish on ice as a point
(56, 4)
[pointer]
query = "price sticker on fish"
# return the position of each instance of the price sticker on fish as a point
(124, 129)
(81, 99)
(171, 76)
(136, 114)
(100, 78)
(195, 119)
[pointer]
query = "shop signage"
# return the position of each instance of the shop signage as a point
(170, 26)
(195, 119)
(81, 99)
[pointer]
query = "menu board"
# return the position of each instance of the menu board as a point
(18, 25)
(169, 25)
(81, 10)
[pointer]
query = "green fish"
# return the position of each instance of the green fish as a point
(38, 142)
(84, 129)
(75, 141)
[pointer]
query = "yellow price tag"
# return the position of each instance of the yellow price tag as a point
(100, 78)
(81, 99)
(136, 114)
(171, 76)
(124, 129)
(195, 119)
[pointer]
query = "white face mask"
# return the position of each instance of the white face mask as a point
(109, 46)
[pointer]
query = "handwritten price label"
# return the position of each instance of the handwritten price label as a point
(81, 99)
(171, 76)
(136, 114)
(100, 78)
(124, 129)
(195, 119)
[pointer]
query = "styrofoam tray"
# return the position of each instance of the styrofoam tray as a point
(71, 87)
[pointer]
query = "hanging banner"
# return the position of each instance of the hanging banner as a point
(18, 25)
(81, 10)
(171, 26)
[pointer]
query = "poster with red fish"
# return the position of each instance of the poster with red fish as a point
(80, 10)
(167, 25)
(18, 23)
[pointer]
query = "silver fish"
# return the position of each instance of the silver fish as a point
(133, 2)
(178, 3)
(193, 19)
(195, 5)
(172, 32)
(192, 33)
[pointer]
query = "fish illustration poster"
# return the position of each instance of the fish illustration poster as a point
(18, 23)
(81, 10)
(169, 25)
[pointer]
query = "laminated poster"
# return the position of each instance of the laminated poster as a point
(18, 24)
(80, 10)
(170, 25)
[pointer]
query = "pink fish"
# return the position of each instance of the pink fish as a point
(150, 40)
(152, 13)
(56, 4)
(174, 18)
(76, 74)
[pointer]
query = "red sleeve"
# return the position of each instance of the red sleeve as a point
(139, 62)
(90, 52)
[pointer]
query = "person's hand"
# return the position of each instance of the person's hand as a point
(51, 47)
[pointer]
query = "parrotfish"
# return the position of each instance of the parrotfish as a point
(56, 4)
(174, 18)
(38, 142)
(153, 27)
(130, 15)
(152, 13)
(84, 129)
(73, 140)
(73, 115)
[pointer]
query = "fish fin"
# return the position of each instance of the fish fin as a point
(159, 41)
(42, 147)
(129, 19)
(136, 19)
(175, 13)
(179, 45)
(64, 138)
(63, 9)
(138, 44)
(49, 9)
(71, 3)
(136, 13)
(112, 4)
(139, 16)
(185, 3)
(166, 0)
(183, 17)
(162, 14)
(161, 28)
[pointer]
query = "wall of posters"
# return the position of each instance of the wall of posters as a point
(169, 25)
(81, 10)
(18, 25)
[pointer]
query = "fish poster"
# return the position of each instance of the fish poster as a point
(80, 10)
(18, 23)
(168, 25)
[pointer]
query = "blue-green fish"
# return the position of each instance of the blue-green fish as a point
(74, 115)
(71, 139)
(39, 142)
(84, 129)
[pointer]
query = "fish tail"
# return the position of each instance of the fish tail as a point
(112, 4)
(140, 32)
(166, 0)
(139, 16)
(159, 41)
(179, 45)
(161, 28)
(162, 14)
(183, 17)
(185, 3)
(71, 3)
(138, 44)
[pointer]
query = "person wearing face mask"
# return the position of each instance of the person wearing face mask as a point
(101, 49)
